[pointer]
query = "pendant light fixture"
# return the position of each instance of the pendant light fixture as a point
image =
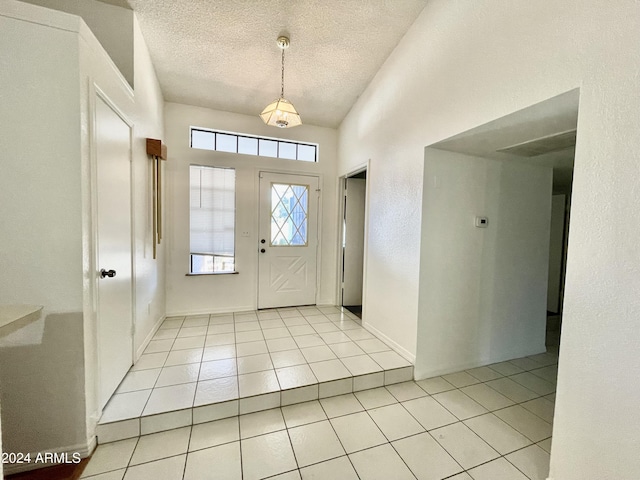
(281, 112)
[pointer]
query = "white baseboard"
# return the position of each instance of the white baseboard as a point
(421, 375)
(83, 449)
(403, 352)
(243, 308)
(436, 372)
(92, 444)
(214, 311)
(146, 341)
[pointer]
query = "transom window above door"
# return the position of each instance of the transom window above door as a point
(253, 145)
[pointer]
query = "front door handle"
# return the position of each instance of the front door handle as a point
(262, 250)
(107, 273)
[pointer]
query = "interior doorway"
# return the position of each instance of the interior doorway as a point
(511, 172)
(558, 242)
(353, 231)
(543, 136)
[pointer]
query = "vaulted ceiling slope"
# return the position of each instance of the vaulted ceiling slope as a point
(223, 54)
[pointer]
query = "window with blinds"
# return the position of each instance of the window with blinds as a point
(212, 219)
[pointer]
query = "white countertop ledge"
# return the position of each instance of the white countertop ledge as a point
(14, 317)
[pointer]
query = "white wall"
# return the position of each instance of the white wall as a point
(482, 290)
(149, 123)
(461, 65)
(41, 232)
(51, 61)
(40, 163)
(144, 108)
(225, 293)
(390, 295)
(1, 467)
(112, 26)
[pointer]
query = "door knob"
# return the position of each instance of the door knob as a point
(262, 250)
(107, 273)
(262, 241)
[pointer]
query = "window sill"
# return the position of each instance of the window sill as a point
(212, 273)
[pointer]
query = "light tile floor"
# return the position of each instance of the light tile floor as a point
(206, 367)
(487, 423)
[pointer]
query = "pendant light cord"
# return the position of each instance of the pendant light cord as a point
(282, 81)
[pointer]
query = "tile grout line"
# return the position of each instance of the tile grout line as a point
(460, 389)
(338, 437)
(269, 352)
(389, 441)
(235, 349)
(186, 453)
(489, 411)
(504, 456)
(240, 445)
(460, 421)
(162, 368)
(396, 401)
(195, 390)
(429, 432)
(473, 431)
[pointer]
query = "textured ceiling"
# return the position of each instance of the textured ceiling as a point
(223, 54)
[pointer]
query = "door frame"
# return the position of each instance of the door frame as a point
(364, 167)
(320, 178)
(95, 92)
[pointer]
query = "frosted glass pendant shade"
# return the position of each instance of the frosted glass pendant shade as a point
(281, 113)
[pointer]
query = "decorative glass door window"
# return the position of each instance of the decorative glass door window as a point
(289, 214)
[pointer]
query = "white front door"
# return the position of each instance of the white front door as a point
(288, 239)
(113, 173)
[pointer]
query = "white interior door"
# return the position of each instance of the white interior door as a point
(288, 237)
(353, 260)
(113, 160)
